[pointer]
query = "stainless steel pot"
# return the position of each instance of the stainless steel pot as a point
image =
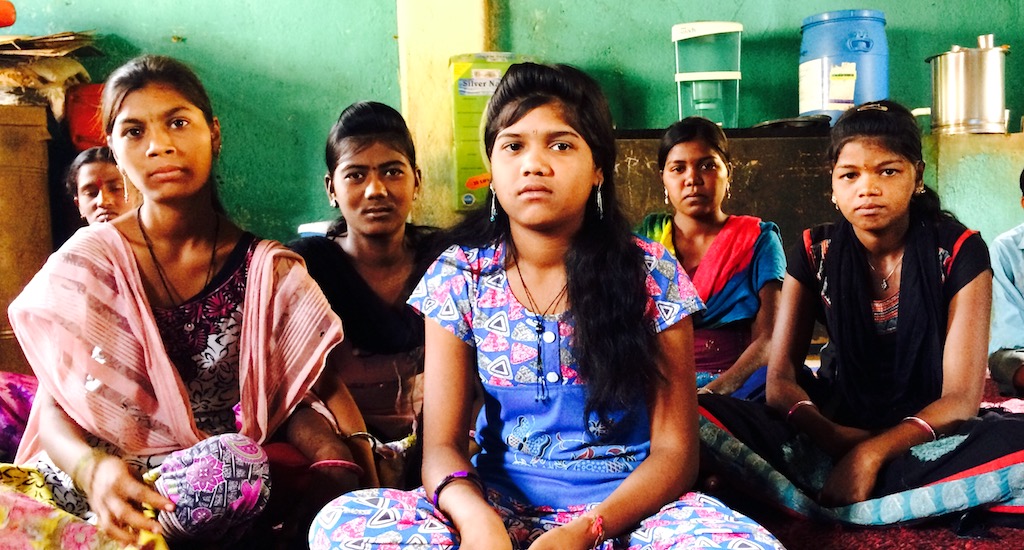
(968, 91)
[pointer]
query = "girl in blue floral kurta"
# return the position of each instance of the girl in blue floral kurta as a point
(557, 467)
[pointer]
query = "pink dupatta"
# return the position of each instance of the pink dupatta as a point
(86, 327)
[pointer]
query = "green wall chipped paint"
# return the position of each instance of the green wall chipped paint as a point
(278, 74)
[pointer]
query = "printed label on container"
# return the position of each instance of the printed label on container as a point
(812, 97)
(482, 82)
(842, 81)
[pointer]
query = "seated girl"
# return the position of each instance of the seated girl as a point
(736, 262)
(367, 265)
(96, 186)
(579, 334)
(889, 429)
(146, 332)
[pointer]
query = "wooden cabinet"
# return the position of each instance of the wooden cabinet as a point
(25, 238)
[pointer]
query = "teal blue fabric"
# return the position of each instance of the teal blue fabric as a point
(1001, 486)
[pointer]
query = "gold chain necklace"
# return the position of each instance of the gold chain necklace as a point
(538, 324)
(885, 280)
(168, 286)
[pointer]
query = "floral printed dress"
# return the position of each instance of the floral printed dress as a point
(543, 462)
(217, 485)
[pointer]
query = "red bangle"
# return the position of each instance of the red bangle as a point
(335, 463)
(797, 405)
(596, 527)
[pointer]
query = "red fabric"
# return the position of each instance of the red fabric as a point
(959, 243)
(711, 418)
(290, 478)
(798, 534)
(1002, 462)
(729, 253)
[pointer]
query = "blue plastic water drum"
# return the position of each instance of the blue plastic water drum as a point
(844, 61)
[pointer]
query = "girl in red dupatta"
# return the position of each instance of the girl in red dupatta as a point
(735, 262)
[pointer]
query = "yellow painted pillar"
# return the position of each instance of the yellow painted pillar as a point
(430, 32)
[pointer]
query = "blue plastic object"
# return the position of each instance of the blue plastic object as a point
(844, 61)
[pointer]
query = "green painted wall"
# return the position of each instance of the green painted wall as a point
(629, 49)
(278, 73)
(978, 179)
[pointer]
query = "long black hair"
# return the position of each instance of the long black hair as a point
(359, 126)
(615, 349)
(896, 129)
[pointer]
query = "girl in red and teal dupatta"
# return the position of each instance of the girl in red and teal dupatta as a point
(736, 262)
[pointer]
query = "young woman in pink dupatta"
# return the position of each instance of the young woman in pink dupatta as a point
(148, 332)
(736, 262)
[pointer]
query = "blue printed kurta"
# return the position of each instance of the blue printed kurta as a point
(537, 447)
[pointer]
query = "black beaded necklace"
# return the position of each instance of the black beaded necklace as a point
(168, 286)
(538, 325)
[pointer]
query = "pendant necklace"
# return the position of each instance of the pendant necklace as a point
(167, 285)
(538, 325)
(885, 280)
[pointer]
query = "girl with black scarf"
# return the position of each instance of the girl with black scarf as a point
(888, 429)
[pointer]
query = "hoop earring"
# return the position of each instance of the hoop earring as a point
(494, 205)
(600, 202)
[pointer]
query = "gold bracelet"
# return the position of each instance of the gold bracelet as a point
(363, 435)
(83, 461)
